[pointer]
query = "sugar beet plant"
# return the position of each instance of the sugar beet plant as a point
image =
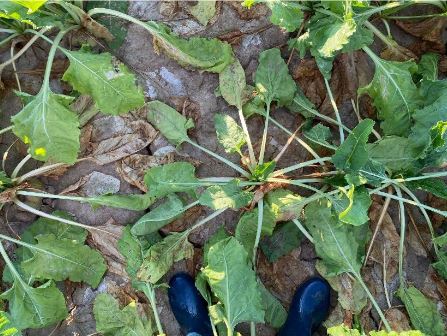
(410, 105)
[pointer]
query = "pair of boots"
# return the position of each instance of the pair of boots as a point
(309, 308)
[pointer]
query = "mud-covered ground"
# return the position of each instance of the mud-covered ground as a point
(136, 145)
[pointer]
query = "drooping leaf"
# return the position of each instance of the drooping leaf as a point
(272, 78)
(229, 195)
(234, 283)
(131, 249)
(112, 87)
(352, 206)
(372, 172)
(435, 186)
(395, 153)
(352, 154)
(135, 202)
(285, 204)
(161, 256)
(113, 321)
(319, 135)
(232, 83)
(248, 225)
(285, 238)
(170, 178)
(159, 216)
(340, 247)
(35, 307)
(169, 122)
(203, 11)
(275, 314)
(48, 127)
(394, 94)
(428, 66)
(229, 134)
(423, 312)
(210, 55)
(8, 327)
(60, 259)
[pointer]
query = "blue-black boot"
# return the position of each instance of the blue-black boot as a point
(309, 308)
(189, 307)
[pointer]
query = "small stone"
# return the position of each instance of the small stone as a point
(100, 184)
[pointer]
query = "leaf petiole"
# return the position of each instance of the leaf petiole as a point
(300, 165)
(220, 158)
(150, 294)
(337, 114)
(62, 220)
(403, 226)
(264, 134)
(20, 166)
(251, 152)
(303, 230)
(6, 129)
(10, 264)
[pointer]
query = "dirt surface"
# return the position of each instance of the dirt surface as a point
(192, 92)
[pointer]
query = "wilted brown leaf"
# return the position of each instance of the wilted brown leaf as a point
(398, 53)
(429, 30)
(112, 138)
(95, 28)
(108, 246)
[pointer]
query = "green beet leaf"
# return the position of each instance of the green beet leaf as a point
(35, 307)
(32, 5)
(218, 236)
(232, 83)
(428, 66)
(340, 247)
(435, 186)
(352, 154)
(230, 195)
(352, 206)
(262, 171)
(60, 259)
(169, 122)
(272, 78)
(5, 181)
(171, 178)
(234, 283)
(132, 251)
(8, 327)
(285, 238)
(319, 135)
(113, 321)
(201, 53)
(423, 313)
(302, 105)
(394, 94)
(275, 314)
(284, 204)
(229, 134)
(48, 126)
(161, 256)
(112, 87)
(397, 154)
(247, 227)
(285, 14)
(46, 226)
(159, 216)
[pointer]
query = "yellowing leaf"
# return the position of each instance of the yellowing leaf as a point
(32, 5)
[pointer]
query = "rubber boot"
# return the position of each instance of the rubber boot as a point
(309, 308)
(189, 307)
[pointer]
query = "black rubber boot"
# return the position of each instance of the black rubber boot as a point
(309, 308)
(189, 307)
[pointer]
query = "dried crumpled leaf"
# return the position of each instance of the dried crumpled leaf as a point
(387, 239)
(398, 320)
(398, 53)
(108, 246)
(429, 30)
(133, 167)
(111, 138)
